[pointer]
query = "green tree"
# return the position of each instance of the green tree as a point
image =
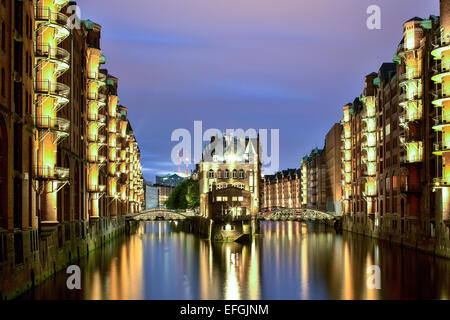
(185, 196)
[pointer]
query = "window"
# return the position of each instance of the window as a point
(241, 198)
(235, 199)
(235, 175)
(3, 36)
(241, 174)
(227, 174)
(218, 199)
(211, 174)
(219, 174)
(3, 83)
(225, 198)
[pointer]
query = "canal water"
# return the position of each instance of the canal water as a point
(290, 260)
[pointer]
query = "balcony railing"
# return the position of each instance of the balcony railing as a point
(439, 121)
(48, 52)
(441, 44)
(96, 188)
(440, 147)
(54, 124)
(440, 182)
(47, 15)
(52, 173)
(440, 96)
(52, 88)
(403, 98)
(412, 74)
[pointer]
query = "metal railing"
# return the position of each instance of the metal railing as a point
(48, 52)
(440, 94)
(440, 182)
(404, 98)
(96, 188)
(416, 73)
(46, 14)
(52, 123)
(52, 173)
(440, 121)
(439, 146)
(52, 88)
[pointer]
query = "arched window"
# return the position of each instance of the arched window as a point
(219, 174)
(241, 174)
(235, 175)
(211, 174)
(227, 174)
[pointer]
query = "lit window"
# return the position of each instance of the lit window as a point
(219, 199)
(241, 198)
(234, 198)
(225, 198)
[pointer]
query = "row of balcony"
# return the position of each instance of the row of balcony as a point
(54, 19)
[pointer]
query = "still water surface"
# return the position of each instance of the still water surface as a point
(290, 260)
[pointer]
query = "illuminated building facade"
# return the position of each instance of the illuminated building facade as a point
(394, 143)
(282, 190)
(313, 178)
(59, 183)
(333, 170)
(229, 171)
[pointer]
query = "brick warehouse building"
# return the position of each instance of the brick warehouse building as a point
(395, 180)
(390, 151)
(70, 164)
(281, 190)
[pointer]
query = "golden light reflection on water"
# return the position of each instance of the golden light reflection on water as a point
(290, 260)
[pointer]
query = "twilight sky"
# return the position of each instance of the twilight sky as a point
(263, 64)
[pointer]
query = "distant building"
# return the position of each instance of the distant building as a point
(156, 195)
(229, 180)
(333, 183)
(313, 184)
(164, 193)
(151, 196)
(282, 190)
(170, 180)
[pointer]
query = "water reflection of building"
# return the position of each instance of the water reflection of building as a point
(230, 271)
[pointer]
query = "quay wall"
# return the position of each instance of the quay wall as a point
(47, 253)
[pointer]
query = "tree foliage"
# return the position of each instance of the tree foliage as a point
(185, 196)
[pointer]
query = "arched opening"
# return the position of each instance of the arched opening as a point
(3, 174)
